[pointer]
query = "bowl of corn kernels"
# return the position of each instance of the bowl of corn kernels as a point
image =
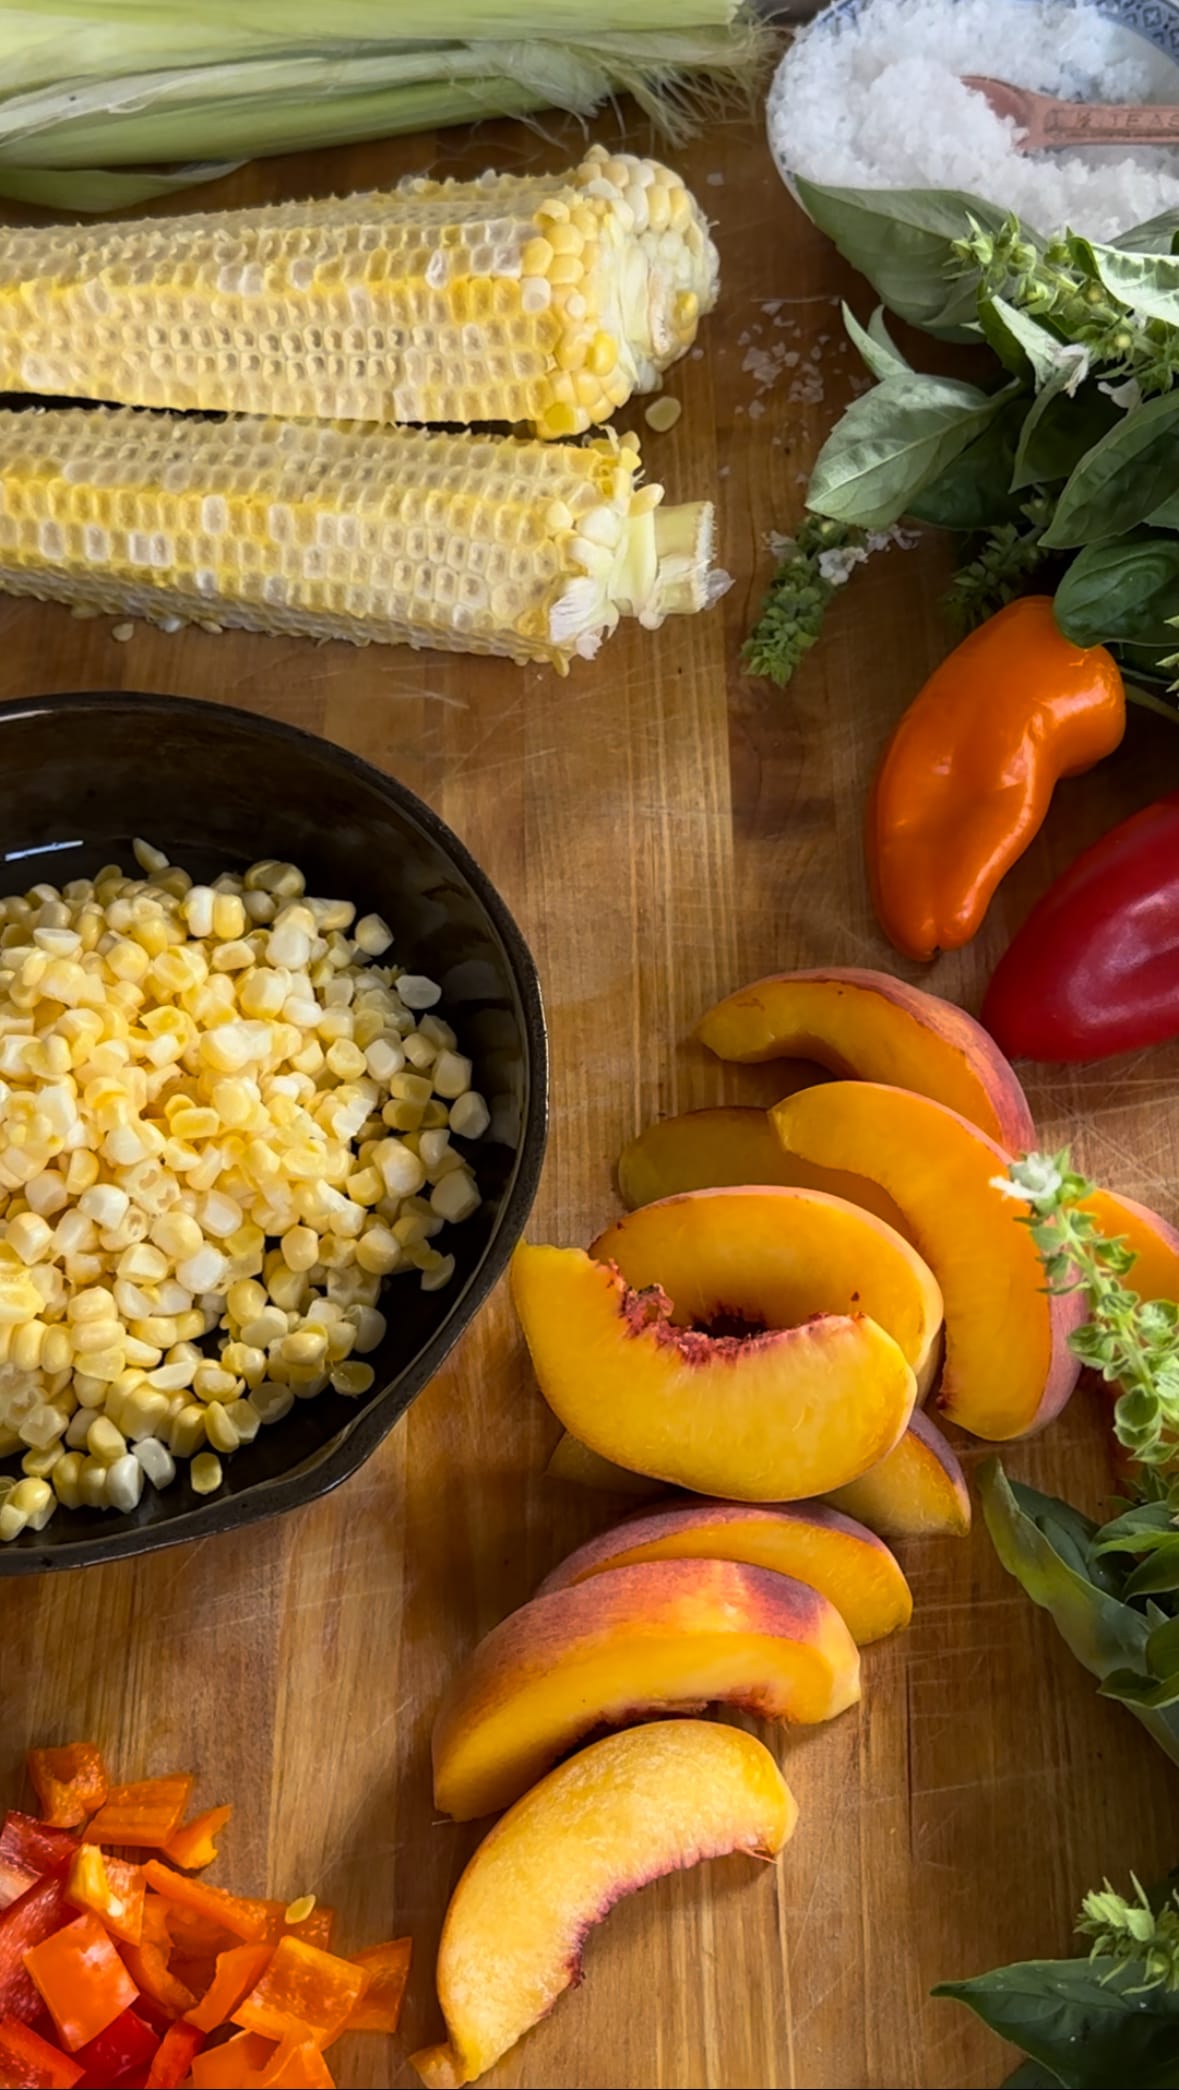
(273, 1082)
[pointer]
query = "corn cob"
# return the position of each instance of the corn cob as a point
(547, 301)
(477, 544)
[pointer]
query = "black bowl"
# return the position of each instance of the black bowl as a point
(217, 789)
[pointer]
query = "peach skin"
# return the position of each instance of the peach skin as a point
(868, 1026)
(918, 1491)
(1008, 1368)
(851, 1567)
(762, 1418)
(626, 1811)
(663, 1636)
(709, 1149)
(770, 1257)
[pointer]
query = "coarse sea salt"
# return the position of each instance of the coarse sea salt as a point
(876, 102)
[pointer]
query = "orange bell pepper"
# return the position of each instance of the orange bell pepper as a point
(966, 780)
(191, 1845)
(239, 2064)
(142, 1816)
(298, 2066)
(173, 2059)
(81, 1980)
(233, 1912)
(113, 1889)
(315, 1929)
(238, 1971)
(387, 1966)
(70, 1783)
(154, 1978)
(28, 2062)
(304, 1994)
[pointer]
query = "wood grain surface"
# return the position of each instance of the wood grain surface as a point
(664, 829)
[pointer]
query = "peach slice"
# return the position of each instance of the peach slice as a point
(1155, 1272)
(1008, 1367)
(871, 1027)
(772, 1257)
(918, 1491)
(575, 1462)
(849, 1566)
(635, 1641)
(621, 1814)
(708, 1149)
(773, 1417)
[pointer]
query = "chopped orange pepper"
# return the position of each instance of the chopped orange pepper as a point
(233, 1912)
(71, 1783)
(304, 1993)
(81, 1980)
(315, 1929)
(238, 2065)
(299, 2066)
(172, 2063)
(142, 1816)
(387, 1966)
(192, 1845)
(148, 1963)
(113, 1889)
(189, 1933)
(238, 1970)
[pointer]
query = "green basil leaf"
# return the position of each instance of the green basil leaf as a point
(877, 351)
(1021, 343)
(1153, 236)
(1137, 1530)
(1125, 591)
(1145, 283)
(1077, 2018)
(1157, 1573)
(1140, 1693)
(974, 492)
(892, 443)
(1059, 431)
(1122, 479)
(902, 241)
(1162, 1649)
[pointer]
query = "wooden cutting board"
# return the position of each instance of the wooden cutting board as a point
(664, 829)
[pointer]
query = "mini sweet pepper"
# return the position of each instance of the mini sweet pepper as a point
(968, 775)
(1095, 968)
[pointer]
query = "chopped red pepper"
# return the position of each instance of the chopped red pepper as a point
(233, 1912)
(238, 1970)
(70, 1783)
(15, 1879)
(298, 2065)
(192, 1845)
(28, 2062)
(114, 1890)
(25, 1923)
(127, 2047)
(387, 1966)
(148, 1966)
(304, 1994)
(238, 2065)
(36, 1844)
(174, 2056)
(142, 1816)
(314, 1929)
(83, 1981)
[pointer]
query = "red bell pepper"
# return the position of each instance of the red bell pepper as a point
(36, 1844)
(15, 1879)
(174, 2057)
(28, 2062)
(1095, 968)
(82, 1980)
(71, 1783)
(24, 1924)
(127, 2047)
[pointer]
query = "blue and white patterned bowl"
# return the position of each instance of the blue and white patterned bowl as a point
(1154, 23)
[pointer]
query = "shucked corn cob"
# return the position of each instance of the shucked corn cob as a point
(547, 300)
(477, 544)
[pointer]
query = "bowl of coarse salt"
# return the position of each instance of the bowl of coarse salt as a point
(870, 96)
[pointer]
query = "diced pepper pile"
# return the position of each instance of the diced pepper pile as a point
(120, 1971)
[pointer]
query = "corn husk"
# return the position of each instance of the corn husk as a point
(178, 100)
